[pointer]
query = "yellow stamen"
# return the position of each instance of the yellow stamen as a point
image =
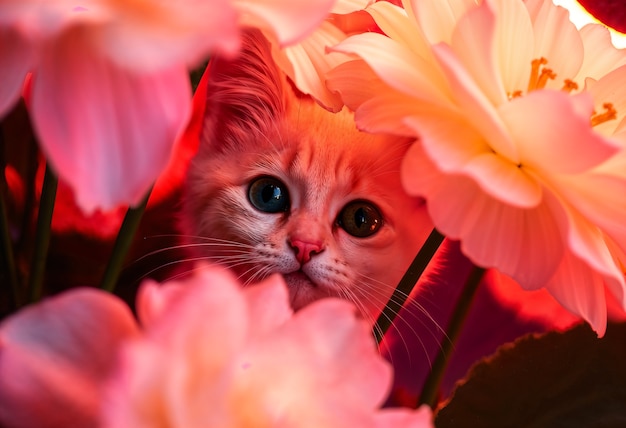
(609, 114)
(569, 85)
(515, 94)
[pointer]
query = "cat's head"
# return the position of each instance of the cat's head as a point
(280, 185)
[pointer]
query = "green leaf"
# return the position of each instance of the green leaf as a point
(569, 379)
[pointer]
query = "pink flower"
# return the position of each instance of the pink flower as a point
(55, 356)
(521, 148)
(209, 354)
(111, 90)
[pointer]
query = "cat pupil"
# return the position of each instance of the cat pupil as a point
(268, 194)
(360, 219)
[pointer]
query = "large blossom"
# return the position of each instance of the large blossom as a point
(110, 89)
(521, 146)
(208, 353)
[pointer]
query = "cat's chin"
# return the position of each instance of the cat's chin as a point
(302, 290)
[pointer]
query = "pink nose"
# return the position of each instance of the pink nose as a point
(304, 250)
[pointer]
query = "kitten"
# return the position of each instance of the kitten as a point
(282, 185)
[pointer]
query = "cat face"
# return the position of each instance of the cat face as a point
(281, 185)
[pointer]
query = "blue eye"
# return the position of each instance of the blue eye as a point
(360, 219)
(268, 194)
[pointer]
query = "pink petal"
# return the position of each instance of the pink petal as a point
(456, 148)
(335, 376)
(268, 306)
(552, 131)
(526, 244)
(108, 133)
(147, 36)
(55, 355)
(505, 181)
(17, 59)
(470, 98)
(595, 196)
(290, 21)
(581, 291)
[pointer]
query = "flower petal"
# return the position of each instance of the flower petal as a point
(553, 30)
(469, 97)
(474, 37)
(268, 306)
(108, 133)
(600, 54)
(54, 355)
(16, 60)
(563, 121)
(525, 244)
(581, 291)
(290, 21)
(327, 338)
(307, 64)
(397, 66)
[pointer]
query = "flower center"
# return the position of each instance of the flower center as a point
(539, 77)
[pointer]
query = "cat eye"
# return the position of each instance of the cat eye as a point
(360, 219)
(268, 194)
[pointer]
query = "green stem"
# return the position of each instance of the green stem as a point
(406, 284)
(123, 242)
(5, 234)
(42, 234)
(430, 390)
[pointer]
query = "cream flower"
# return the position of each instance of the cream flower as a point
(519, 117)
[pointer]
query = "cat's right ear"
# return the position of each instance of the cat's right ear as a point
(244, 94)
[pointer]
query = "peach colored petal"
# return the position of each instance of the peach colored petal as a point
(307, 64)
(600, 54)
(95, 122)
(397, 25)
(470, 98)
(356, 83)
(349, 6)
(553, 133)
(609, 89)
(553, 30)
(54, 355)
(438, 18)
(474, 42)
(514, 38)
(290, 21)
(397, 66)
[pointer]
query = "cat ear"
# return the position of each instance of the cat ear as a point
(244, 94)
